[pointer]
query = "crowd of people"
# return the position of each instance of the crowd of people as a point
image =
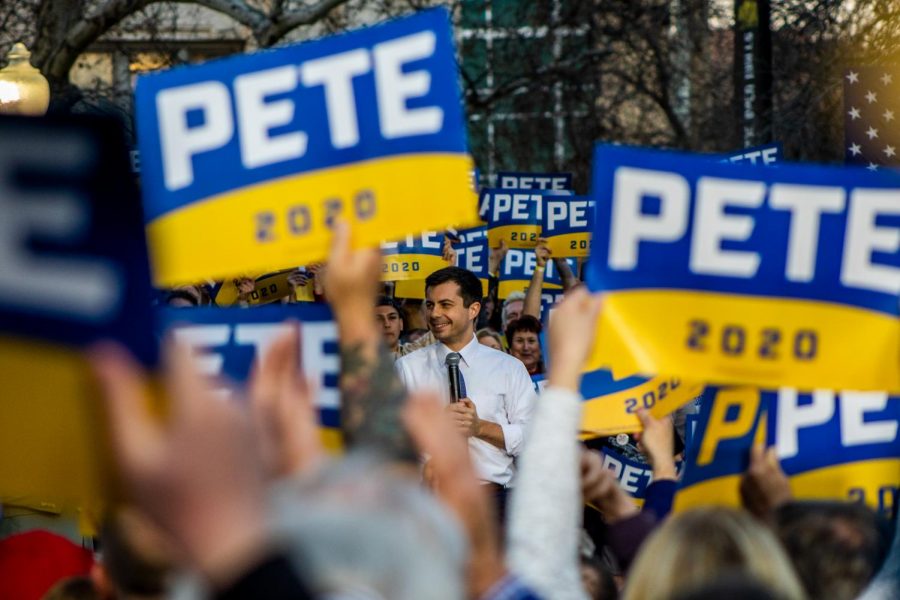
(492, 497)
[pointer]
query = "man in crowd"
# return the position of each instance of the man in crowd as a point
(390, 322)
(498, 396)
(512, 309)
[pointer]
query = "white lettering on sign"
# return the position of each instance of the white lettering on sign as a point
(335, 73)
(257, 114)
(210, 342)
(768, 156)
(431, 240)
(806, 204)
(713, 224)
(864, 237)
(534, 182)
(631, 226)
(856, 428)
(518, 206)
(83, 288)
(572, 213)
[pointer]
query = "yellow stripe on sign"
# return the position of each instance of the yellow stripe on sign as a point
(283, 223)
(515, 236)
(332, 440)
(406, 267)
(765, 342)
(873, 482)
(53, 452)
(577, 245)
(616, 413)
(722, 491)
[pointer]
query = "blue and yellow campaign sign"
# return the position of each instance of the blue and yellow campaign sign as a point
(229, 341)
(566, 224)
(270, 287)
(736, 274)
(611, 405)
(471, 254)
(414, 257)
(518, 268)
(248, 161)
(535, 181)
(512, 216)
(74, 271)
(839, 446)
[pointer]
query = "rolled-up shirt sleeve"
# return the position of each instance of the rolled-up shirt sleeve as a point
(520, 403)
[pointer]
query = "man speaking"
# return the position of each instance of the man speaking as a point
(496, 395)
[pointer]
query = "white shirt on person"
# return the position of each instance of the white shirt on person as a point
(499, 386)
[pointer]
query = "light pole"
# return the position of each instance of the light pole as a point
(23, 90)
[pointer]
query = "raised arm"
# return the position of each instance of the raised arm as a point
(545, 511)
(372, 395)
(532, 304)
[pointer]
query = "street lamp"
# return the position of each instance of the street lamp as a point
(23, 90)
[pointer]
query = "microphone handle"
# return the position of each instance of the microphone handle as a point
(453, 372)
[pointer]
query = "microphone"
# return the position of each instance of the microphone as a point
(452, 362)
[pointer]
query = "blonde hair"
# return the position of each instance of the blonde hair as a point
(697, 547)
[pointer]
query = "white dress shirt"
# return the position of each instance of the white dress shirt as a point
(496, 383)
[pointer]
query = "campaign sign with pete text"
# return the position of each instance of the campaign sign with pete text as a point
(248, 161)
(784, 277)
(73, 272)
(566, 224)
(413, 257)
(228, 342)
(831, 445)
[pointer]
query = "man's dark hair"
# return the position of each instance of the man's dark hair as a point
(836, 547)
(469, 284)
(388, 301)
(523, 323)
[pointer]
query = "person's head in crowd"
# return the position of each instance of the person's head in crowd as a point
(452, 302)
(694, 548)
(486, 315)
(135, 559)
(390, 320)
(512, 308)
(73, 588)
(523, 337)
(413, 335)
(836, 547)
(490, 338)
(733, 586)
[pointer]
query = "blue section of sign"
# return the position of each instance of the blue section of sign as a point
(221, 167)
(564, 215)
(765, 155)
(235, 336)
(534, 181)
(472, 250)
(601, 383)
(73, 244)
(667, 264)
(732, 454)
(430, 243)
(839, 438)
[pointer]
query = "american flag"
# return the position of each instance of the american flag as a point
(872, 117)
